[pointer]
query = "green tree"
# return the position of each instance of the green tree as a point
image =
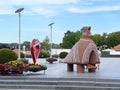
(13, 45)
(4, 45)
(70, 38)
(97, 38)
(26, 44)
(104, 40)
(100, 40)
(56, 46)
(113, 39)
(45, 44)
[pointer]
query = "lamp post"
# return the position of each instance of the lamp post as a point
(19, 13)
(51, 39)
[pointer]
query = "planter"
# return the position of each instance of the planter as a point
(4, 73)
(36, 68)
(51, 60)
(10, 73)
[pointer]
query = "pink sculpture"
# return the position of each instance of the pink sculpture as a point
(83, 53)
(35, 49)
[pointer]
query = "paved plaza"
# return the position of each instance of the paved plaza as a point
(109, 68)
(56, 77)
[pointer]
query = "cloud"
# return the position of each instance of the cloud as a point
(44, 11)
(93, 9)
(102, 0)
(50, 8)
(42, 7)
(35, 2)
(54, 1)
(6, 10)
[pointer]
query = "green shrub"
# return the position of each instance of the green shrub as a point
(63, 54)
(7, 55)
(22, 55)
(105, 53)
(44, 54)
(55, 55)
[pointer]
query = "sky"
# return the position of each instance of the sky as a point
(101, 15)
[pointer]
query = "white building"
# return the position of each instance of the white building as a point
(112, 51)
(58, 51)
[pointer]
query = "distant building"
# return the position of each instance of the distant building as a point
(58, 51)
(114, 51)
(116, 48)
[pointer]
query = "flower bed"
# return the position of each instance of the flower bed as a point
(17, 67)
(36, 67)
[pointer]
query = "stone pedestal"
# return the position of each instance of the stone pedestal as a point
(80, 68)
(70, 67)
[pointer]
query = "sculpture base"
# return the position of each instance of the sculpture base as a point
(70, 67)
(80, 68)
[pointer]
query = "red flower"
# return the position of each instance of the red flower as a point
(3, 67)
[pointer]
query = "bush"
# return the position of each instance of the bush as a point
(55, 55)
(44, 54)
(22, 55)
(105, 53)
(7, 55)
(63, 54)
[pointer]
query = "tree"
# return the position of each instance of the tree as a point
(113, 39)
(45, 44)
(26, 44)
(4, 45)
(104, 40)
(70, 38)
(55, 46)
(97, 38)
(13, 46)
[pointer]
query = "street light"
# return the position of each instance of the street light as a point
(19, 12)
(51, 39)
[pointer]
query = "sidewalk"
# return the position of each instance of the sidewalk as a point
(109, 68)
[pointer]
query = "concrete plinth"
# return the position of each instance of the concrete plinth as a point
(80, 68)
(70, 67)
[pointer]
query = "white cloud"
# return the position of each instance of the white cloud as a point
(93, 9)
(54, 1)
(34, 2)
(6, 10)
(44, 11)
(50, 8)
(103, 0)
(34, 6)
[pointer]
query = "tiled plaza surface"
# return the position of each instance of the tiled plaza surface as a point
(109, 68)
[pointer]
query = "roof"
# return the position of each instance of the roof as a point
(16, 51)
(117, 47)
